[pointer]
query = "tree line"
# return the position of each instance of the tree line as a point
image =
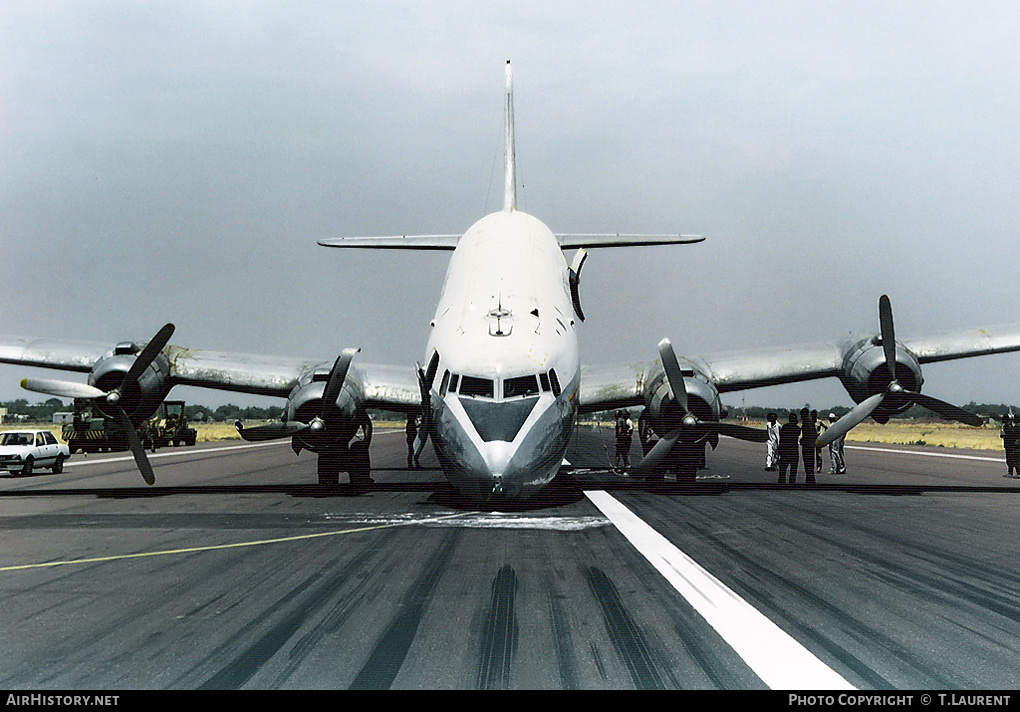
(22, 410)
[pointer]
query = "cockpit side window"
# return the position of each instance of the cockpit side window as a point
(554, 381)
(544, 380)
(520, 386)
(430, 373)
(454, 379)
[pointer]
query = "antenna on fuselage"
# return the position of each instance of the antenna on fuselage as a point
(510, 188)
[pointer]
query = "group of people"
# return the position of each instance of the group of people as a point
(794, 441)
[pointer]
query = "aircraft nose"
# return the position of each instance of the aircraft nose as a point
(497, 455)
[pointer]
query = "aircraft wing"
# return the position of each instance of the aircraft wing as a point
(609, 387)
(612, 387)
(961, 344)
(385, 387)
(49, 353)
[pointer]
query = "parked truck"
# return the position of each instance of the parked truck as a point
(90, 431)
(168, 426)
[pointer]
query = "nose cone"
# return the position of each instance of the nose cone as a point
(498, 456)
(502, 470)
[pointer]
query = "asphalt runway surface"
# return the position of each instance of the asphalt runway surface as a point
(237, 571)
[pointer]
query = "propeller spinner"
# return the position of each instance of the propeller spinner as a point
(690, 427)
(318, 424)
(71, 389)
(866, 407)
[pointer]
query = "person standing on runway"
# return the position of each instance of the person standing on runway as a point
(1010, 434)
(789, 434)
(808, 435)
(410, 435)
(819, 427)
(772, 447)
(837, 464)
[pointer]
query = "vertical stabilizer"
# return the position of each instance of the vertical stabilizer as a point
(510, 189)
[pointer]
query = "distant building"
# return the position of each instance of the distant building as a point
(63, 417)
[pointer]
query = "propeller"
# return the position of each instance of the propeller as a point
(867, 406)
(70, 389)
(318, 424)
(690, 427)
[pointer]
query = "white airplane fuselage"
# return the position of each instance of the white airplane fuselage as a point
(506, 370)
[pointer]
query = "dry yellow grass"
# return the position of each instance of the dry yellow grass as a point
(940, 434)
(951, 435)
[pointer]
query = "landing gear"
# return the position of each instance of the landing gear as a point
(328, 468)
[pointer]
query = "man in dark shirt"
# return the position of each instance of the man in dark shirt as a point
(808, 435)
(789, 436)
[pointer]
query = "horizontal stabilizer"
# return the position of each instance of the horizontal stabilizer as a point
(617, 240)
(395, 242)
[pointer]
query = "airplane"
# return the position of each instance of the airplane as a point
(502, 382)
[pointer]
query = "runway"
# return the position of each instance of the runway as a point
(237, 571)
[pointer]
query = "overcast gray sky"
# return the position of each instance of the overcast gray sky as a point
(178, 161)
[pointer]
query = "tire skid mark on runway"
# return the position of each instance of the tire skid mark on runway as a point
(90, 652)
(387, 657)
(342, 608)
(777, 658)
(499, 634)
(626, 636)
(915, 584)
(298, 606)
(763, 598)
(245, 665)
(721, 665)
(566, 661)
(948, 581)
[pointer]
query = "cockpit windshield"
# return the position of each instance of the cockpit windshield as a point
(476, 387)
(520, 386)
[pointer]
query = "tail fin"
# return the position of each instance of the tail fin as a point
(510, 189)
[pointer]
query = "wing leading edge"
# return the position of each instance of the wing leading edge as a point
(449, 242)
(609, 387)
(384, 387)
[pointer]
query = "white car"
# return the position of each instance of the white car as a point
(24, 450)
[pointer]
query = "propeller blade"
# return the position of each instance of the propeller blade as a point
(64, 389)
(885, 323)
(137, 448)
(149, 353)
(741, 432)
(946, 410)
(674, 375)
(271, 431)
(842, 426)
(658, 453)
(337, 376)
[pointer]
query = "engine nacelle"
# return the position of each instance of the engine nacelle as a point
(663, 413)
(141, 399)
(865, 374)
(304, 404)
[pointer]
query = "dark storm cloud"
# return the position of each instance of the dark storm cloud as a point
(179, 161)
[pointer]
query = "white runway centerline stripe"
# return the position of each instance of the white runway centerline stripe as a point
(780, 661)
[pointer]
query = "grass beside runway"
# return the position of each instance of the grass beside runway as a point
(938, 434)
